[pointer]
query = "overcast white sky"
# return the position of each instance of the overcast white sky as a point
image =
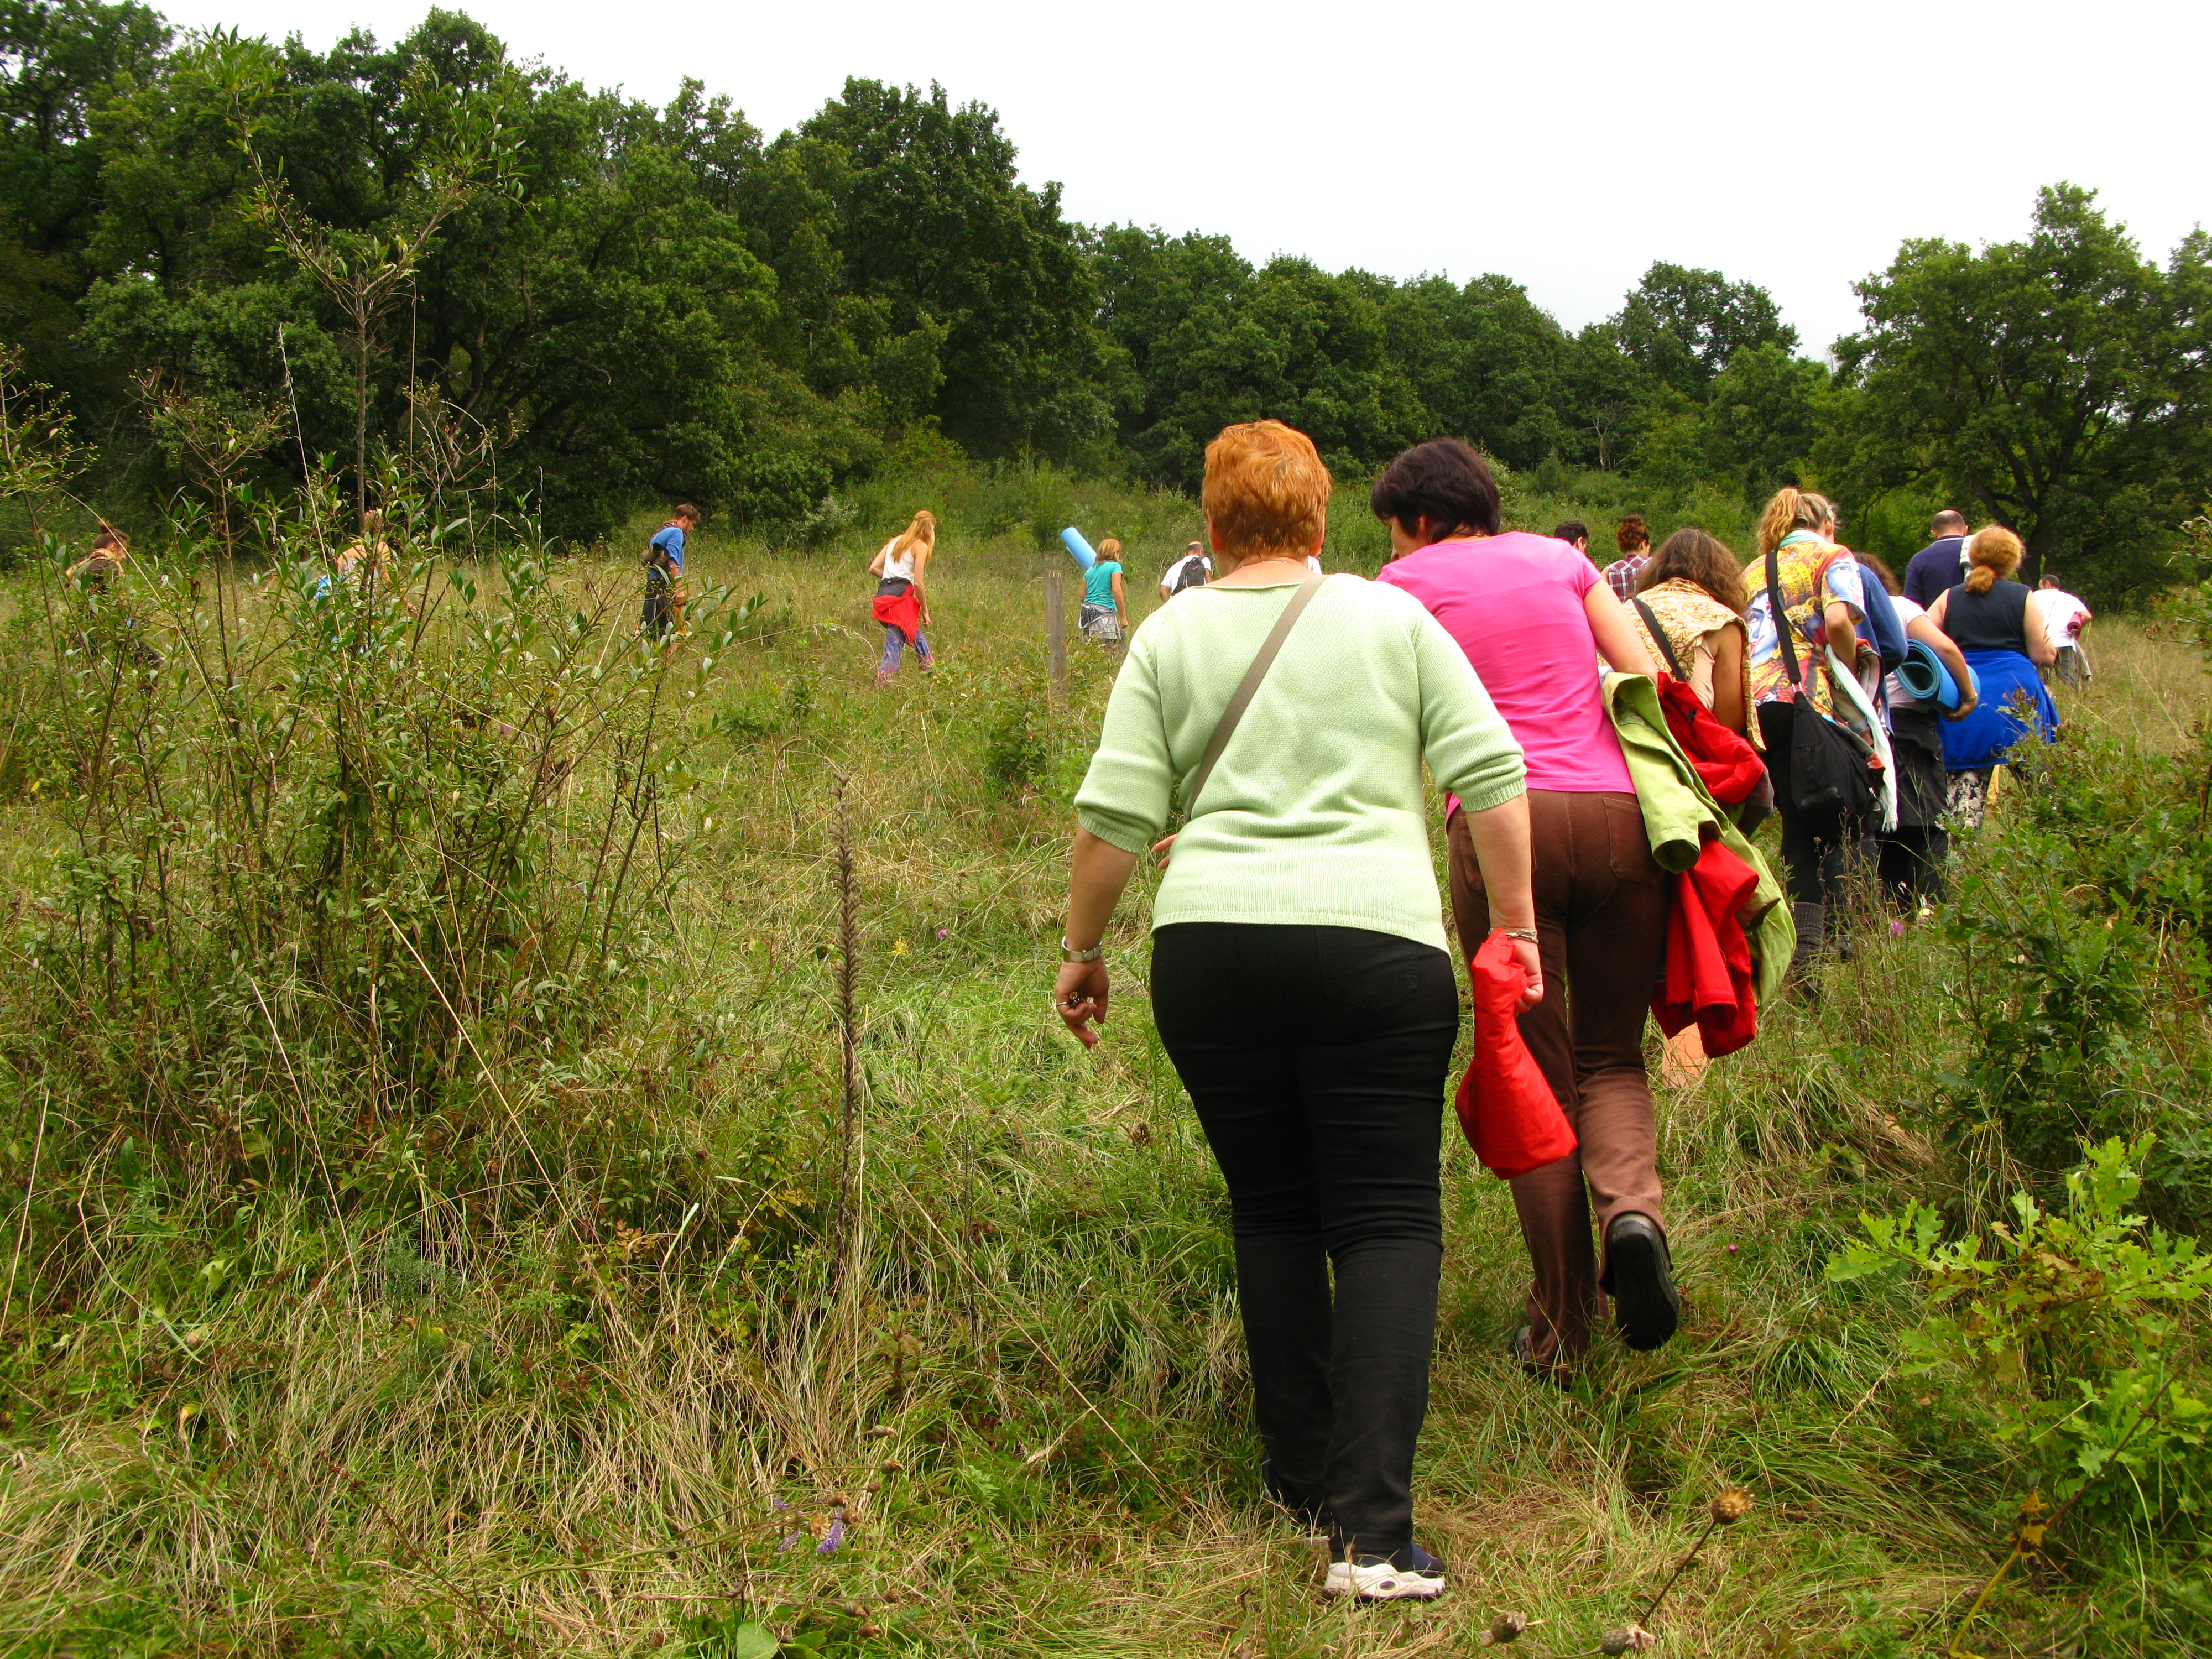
(1567, 145)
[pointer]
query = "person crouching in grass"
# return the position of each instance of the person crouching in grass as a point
(1300, 979)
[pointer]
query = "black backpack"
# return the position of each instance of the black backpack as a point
(1190, 572)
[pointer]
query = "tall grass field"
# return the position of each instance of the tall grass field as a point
(440, 1218)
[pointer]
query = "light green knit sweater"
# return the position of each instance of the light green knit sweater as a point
(1316, 812)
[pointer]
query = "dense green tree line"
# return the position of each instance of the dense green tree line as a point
(636, 302)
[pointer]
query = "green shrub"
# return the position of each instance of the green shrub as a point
(2064, 1325)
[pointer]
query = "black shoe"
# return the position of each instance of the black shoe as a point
(1640, 1276)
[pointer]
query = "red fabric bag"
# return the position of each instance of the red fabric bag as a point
(1708, 979)
(1730, 767)
(1506, 1109)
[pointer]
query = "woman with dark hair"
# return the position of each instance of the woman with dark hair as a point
(1532, 615)
(1694, 586)
(2004, 638)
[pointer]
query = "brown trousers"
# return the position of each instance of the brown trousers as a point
(1602, 929)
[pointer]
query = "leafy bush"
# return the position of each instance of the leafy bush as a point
(1015, 750)
(2064, 1325)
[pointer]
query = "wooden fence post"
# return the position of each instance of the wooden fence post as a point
(1056, 634)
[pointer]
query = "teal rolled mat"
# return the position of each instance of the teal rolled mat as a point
(1926, 680)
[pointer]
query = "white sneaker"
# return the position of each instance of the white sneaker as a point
(1413, 1574)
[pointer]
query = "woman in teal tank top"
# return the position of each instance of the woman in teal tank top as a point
(1104, 610)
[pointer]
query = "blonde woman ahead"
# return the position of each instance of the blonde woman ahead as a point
(901, 604)
(1824, 594)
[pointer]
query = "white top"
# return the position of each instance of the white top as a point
(1176, 571)
(1906, 610)
(2061, 614)
(899, 569)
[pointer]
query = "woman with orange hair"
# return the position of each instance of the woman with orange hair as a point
(1300, 981)
(1989, 618)
(901, 569)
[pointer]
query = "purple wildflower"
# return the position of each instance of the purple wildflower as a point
(832, 1538)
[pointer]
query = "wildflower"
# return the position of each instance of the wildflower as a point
(940, 933)
(898, 947)
(1508, 1628)
(1731, 1505)
(1629, 1639)
(832, 1538)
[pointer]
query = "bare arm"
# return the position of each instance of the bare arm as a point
(1500, 835)
(876, 564)
(1924, 630)
(920, 592)
(1728, 678)
(1097, 874)
(2040, 650)
(1616, 636)
(1843, 632)
(1121, 604)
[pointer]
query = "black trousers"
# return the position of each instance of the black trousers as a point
(1812, 848)
(1911, 855)
(1316, 1057)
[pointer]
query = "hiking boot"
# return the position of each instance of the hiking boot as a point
(1640, 1275)
(1410, 1575)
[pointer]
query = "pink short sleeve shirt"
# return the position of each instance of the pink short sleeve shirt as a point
(1515, 603)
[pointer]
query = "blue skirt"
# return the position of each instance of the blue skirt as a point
(1982, 738)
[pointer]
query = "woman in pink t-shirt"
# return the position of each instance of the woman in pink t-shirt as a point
(1534, 615)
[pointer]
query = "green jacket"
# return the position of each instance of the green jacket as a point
(1678, 808)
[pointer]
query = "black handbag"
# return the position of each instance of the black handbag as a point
(1831, 773)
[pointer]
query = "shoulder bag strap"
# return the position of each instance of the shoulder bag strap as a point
(1241, 699)
(1659, 634)
(1788, 646)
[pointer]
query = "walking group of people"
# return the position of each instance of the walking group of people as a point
(1300, 980)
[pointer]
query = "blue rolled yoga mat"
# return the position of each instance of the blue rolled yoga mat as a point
(1926, 680)
(1078, 549)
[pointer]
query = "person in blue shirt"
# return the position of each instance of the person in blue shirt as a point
(663, 575)
(1942, 565)
(1104, 615)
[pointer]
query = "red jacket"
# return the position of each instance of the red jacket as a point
(1708, 958)
(1507, 1111)
(902, 612)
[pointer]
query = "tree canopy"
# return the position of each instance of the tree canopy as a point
(649, 302)
(2062, 384)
